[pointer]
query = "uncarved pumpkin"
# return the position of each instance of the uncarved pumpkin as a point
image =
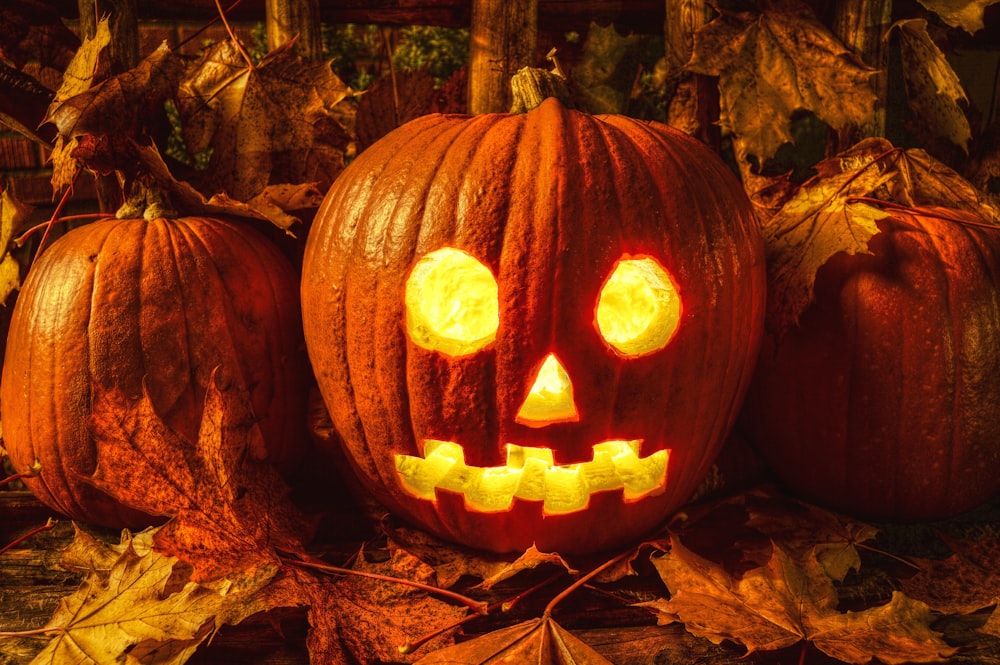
(134, 304)
(463, 292)
(884, 402)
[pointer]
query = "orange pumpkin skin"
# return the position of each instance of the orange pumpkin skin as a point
(549, 201)
(884, 402)
(133, 304)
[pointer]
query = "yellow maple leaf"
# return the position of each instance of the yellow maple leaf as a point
(111, 615)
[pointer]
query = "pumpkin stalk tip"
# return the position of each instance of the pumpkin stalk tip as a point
(532, 85)
(147, 200)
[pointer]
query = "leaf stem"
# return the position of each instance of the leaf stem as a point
(898, 558)
(32, 471)
(503, 606)
(233, 37)
(56, 215)
(208, 25)
(21, 239)
(583, 580)
(49, 523)
(316, 564)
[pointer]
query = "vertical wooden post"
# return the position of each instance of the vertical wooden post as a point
(683, 19)
(124, 25)
(288, 18)
(861, 24)
(503, 39)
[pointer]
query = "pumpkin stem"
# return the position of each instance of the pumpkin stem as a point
(532, 85)
(145, 199)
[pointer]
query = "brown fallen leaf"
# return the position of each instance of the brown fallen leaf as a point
(806, 531)
(124, 104)
(966, 581)
(541, 641)
(230, 509)
(787, 601)
(386, 617)
(267, 124)
(452, 562)
(776, 62)
(33, 31)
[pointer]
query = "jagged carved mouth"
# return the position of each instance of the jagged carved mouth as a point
(531, 474)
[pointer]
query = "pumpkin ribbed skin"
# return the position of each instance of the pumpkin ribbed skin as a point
(158, 304)
(548, 201)
(884, 402)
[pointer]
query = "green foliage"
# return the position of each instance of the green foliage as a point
(358, 51)
(443, 51)
(354, 50)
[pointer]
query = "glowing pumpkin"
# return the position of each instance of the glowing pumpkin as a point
(533, 328)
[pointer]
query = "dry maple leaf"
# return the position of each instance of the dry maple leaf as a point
(452, 562)
(786, 601)
(33, 31)
(137, 604)
(738, 532)
(266, 124)
(276, 204)
(230, 509)
(837, 210)
(965, 14)
(966, 581)
(541, 641)
(606, 73)
(122, 104)
(934, 92)
(129, 608)
(822, 218)
(386, 616)
(774, 63)
(806, 531)
(83, 67)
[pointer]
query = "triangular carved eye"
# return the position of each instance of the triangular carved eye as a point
(639, 308)
(452, 303)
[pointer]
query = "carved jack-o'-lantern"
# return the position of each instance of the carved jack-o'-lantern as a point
(533, 328)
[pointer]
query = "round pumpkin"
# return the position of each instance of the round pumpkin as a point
(156, 305)
(884, 402)
(533, 329)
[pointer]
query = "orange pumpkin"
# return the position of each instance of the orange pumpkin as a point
(533, 328)
(133, 304)
(884, 402)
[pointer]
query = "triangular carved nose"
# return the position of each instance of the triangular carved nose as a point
(550, 399)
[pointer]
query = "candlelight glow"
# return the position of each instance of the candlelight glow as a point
(530, 474)
(639, 308)
(550, 399)
(452, 303)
